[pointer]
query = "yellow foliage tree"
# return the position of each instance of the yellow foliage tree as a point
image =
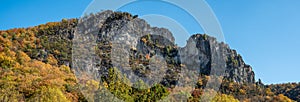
(48, 94)
(282, 98)
(22, 57)
(224, 98)
(52, 60)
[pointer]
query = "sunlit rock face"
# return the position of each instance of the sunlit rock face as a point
(236, 69)
(113, 31)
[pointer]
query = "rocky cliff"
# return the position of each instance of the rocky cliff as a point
(236, 69)
(113, 29)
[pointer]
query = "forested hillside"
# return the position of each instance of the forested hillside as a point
(36, 65)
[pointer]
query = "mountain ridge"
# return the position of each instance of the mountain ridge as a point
(51, 45)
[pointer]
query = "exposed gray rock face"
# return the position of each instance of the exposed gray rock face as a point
(109, 24)
(116, 32)
(236, 69)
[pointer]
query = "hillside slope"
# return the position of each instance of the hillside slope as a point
(36, 64)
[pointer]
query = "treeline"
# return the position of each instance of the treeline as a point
(291, 90)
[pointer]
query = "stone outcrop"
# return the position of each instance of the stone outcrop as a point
(118, 31)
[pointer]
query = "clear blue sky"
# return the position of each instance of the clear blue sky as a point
(264, 32)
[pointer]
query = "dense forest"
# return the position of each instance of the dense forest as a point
(36, 65)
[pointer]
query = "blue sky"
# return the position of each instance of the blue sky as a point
(264, 32)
